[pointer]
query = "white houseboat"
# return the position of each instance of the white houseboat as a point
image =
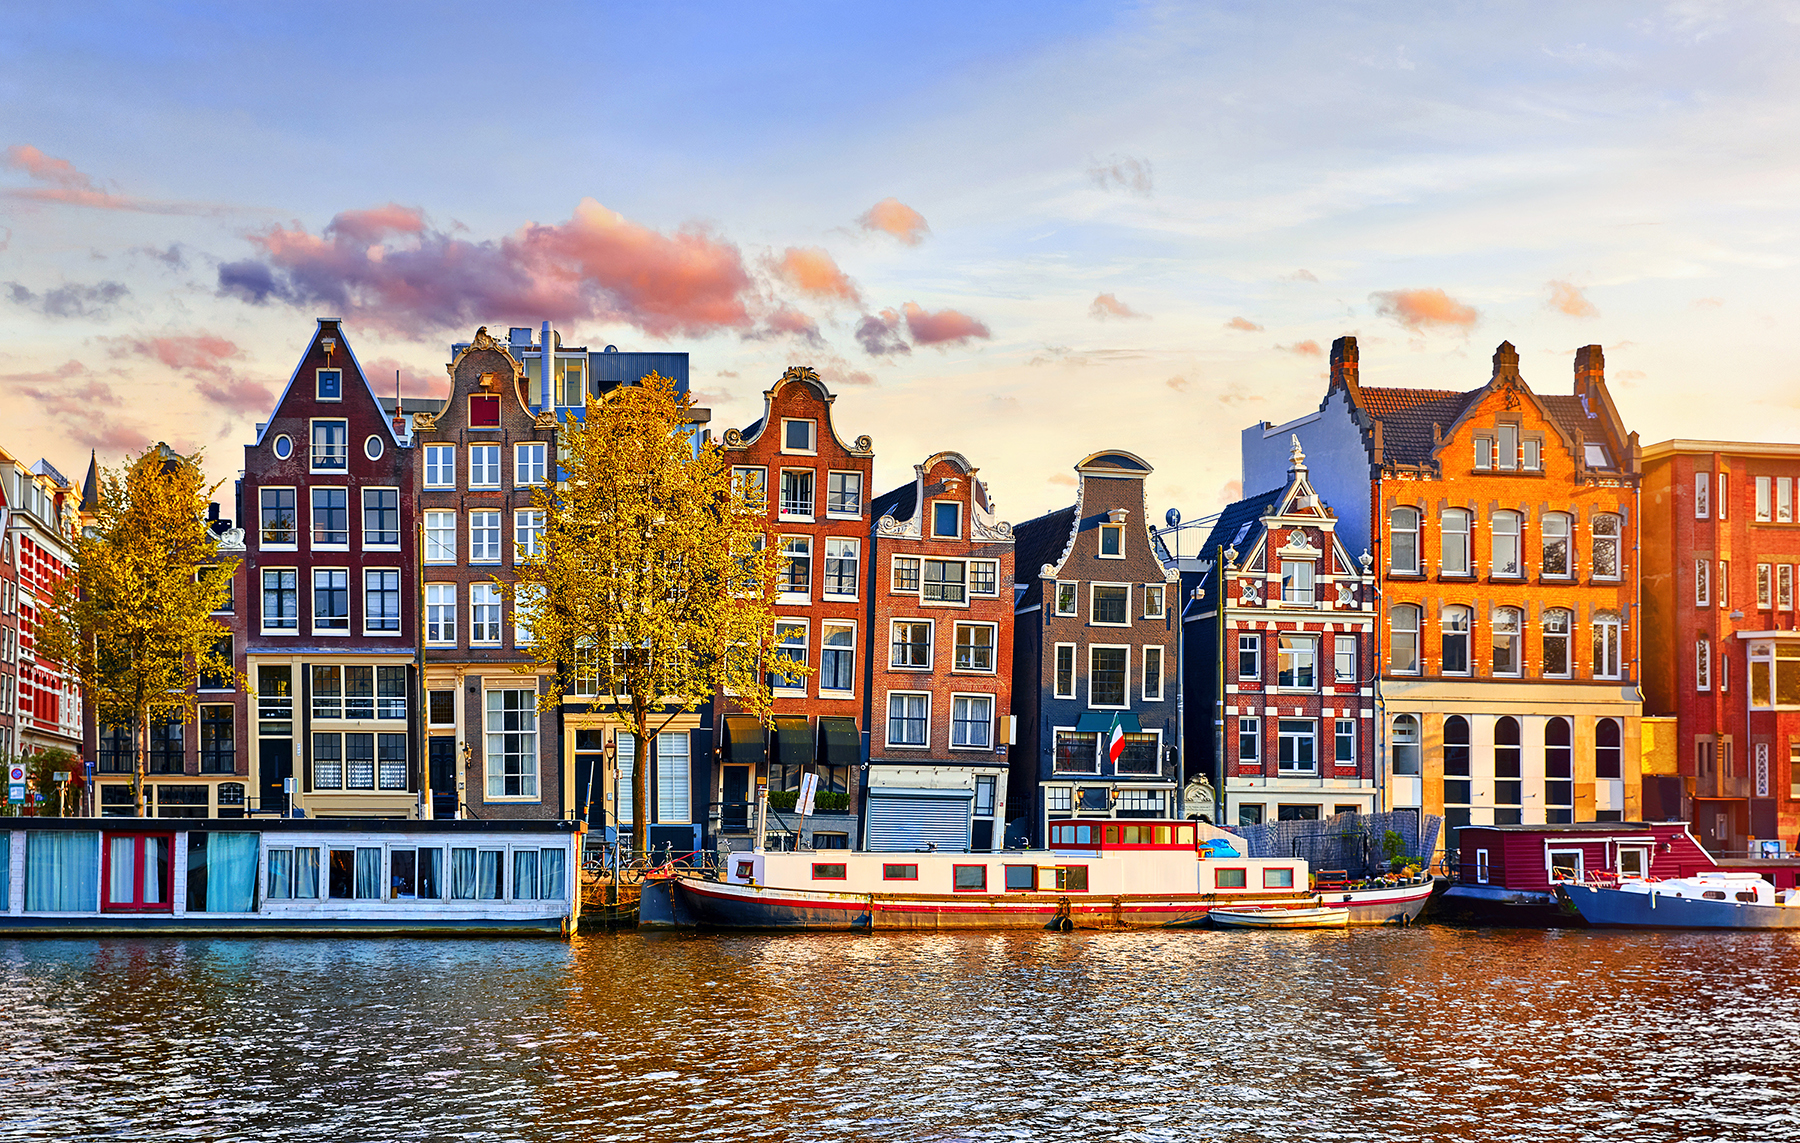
(290, 875)
(1096, 874)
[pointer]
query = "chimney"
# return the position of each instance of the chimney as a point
(1344, 365)
(1590, 371)
(1506, 361)
(546, 364)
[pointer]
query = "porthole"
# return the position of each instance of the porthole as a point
(284, 447)
(372, 448)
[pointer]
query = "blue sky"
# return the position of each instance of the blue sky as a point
(1142, 225)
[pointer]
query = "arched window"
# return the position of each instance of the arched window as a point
(1556, 546)
(1607, 752)
(1604, 563)
(1508, 790)
(1606, 645)
(1455, 539)
(1506, 544)
(1403, 639)
(1403, 540)
(1556, 642)
(1559, 772)
(1507, 624)
(1455, 623)
(1456, 746)
(1405, 744)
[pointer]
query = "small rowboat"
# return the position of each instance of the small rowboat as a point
(1278, 918)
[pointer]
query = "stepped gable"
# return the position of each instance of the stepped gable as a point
(1407, 417)
(1036, 543)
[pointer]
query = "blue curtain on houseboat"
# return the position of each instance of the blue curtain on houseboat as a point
(368, 874)
(231, 873)
(525, 874)
(62, 871)
(550, 866)
(281, 874)
(462, 874)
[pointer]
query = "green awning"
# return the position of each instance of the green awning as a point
(840, 743)
(793, 741)
(1100, 722)
(745, 741)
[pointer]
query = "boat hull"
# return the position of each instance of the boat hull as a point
(1512, 908)
(1280, 918)
(1384, 905)
(199, 925)
(1614, 908)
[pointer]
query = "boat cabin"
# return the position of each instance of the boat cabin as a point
(1532, 858)
(297, 875)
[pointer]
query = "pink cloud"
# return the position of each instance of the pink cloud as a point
(787, 320)
(1179, 384)
(387, 267)
(1701, 303)
(1244, 324)
(80, 402)
(1568, 298)
(1416, 309)
(879, 334)
(812, 271)
(891, 216)
(209, 361)
(71, 187)
(1109, 306)
(944, 327)
(1308, 348)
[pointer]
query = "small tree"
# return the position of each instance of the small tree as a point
(653, 588)
(135, 621)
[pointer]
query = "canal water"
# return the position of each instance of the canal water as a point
(1429, 1033)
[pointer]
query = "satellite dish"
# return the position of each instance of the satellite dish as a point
(1172, 517)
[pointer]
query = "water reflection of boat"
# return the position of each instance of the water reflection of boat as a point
(1095, 875)
(1715, 900)
(1272, 918)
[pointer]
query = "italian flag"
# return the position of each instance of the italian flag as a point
(1115, 741)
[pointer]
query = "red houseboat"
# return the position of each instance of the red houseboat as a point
(1507, 874)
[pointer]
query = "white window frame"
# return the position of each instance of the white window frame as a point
(918, 576)
(348, 609)
(1615, 669)
(488, 521)
(1094, 591)
(1145, 654)
(1156, 601)
(1506, 445)
(312, 509)
(1125, 689)
(1414, 531)
(1546, 537)
(528, 532)
(491, 772)
(930, 644)
(1702, 583)
(1250, 727)
(382, 632)
(826, 627)
(1722, 585)
(778, 681)
(812, 435)
(972, 697)
(482, 596)
(434, 537)
(1056, 665)
(783, 595)
(1282, 736)
(444, 605)
(1496, 569)
(993, 647)
(861, 494)
(1784, 587)
(484, 475)
(1518, 641)
(1100, 535)
(312, 446)
(1618, 544)
(1765, 499)
(1466, 531)
(1550, 856)
(295, 527)
(1338, 644)
(825, 583)
(740, 474)
(522, 636)
(956, 509)
(888, 720)
(1722, 499)
(1567, 635)
(782, 511)
(1074, 609)
(1784, 500)
(369, 545)
(529, 464)
(1251, 641)
(1418, 657)
(995, 566)
(1702, 495)
(1297, 639)
(1765, 587)
(261, 608)
(319, 385)
(1702, 664)
(1484, 453)
(440, 461)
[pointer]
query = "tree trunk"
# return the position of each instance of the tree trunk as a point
(640, 783)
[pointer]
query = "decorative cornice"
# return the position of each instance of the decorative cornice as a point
(902, 529)
(423, 422)
(1000, 532)
(734, 438)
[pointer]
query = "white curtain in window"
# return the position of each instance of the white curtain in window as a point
(121, 869)
(672, 801)
(62, 872)
(462, 874)
(368, 874)
(487, 876)
(525, 874)
(306, 873)
(550, 870)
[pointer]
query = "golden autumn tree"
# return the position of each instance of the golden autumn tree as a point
(135, 620)
(653, 588)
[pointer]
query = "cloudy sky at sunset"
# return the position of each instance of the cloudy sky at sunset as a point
(1026, 232)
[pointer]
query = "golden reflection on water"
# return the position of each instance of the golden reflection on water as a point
(1427, 1033)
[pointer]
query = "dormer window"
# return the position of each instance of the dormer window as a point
(330, 446)
(946, 520)
(1112, 541)
(331, 384)
(1597, 456)
(799, 436)
(571, 382)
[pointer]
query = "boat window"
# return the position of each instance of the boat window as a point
(1278, 879)
(1112, 835)
(1229, 878)
(1632, 863)
(747, 869)
(971, 878)
(1565, 865)
(525, 875)
(430, 874)
(1164, 834)
(221, 872)
(1481, 866)
(1713, 895)
(1747, 895)
(355, 874)
(138, 874)
(1071, 879)
(899, 873)
(403, 874)
(1021, 878)
(1184, 835)
(552, 875)
(829, 871)
(1130, 835)
(62, 871)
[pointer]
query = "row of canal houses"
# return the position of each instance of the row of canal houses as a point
(1437, 602)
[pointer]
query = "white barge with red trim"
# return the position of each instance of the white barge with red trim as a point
(1096, 875)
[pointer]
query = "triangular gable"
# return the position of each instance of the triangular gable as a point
(343, 343)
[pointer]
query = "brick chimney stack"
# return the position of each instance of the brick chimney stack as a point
(1590, 371)
(1344, 365)
(1506, 361)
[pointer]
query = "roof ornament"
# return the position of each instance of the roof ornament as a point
(1231, 557)
(1296, 458)
(1366, 560)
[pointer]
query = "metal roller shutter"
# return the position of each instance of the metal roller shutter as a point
(906, 821)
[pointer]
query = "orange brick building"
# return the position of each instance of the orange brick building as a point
(1502, 524)
(1722, 652)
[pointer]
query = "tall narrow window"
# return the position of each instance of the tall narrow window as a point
(1765, 587)
(1702, 578)
(1405, 744)
(1557, 622)
(796, 565)
(381, 517)
(1456, 746)
(837, 657)
(1107, 670)
(484, 537)
(1297, 667)
(1509, 793)
(279, 521)
(528, 532)
(484, 613)
(331, 517)
(381, 599)
(484, 466)
(440, 466)
(1249, 742)
(1606, 645)
(1403, 540)
(440, 613)
(528, 464)
(1297, 582)
(1506, 544)
(842, 566)
(331, 599)
(1249, 657)
(1153, 674)
(1507, 446)
(1702, 495)
(1559, 772)
(1506, 623)
(1456, 623)
(1556, 546)
(1784, 500)
(1763, 498)
(1403, 639)
(1608, 752)
(280, 599)
(1455, 540)
(440, 537)
(1702, 665)
(1721, 588)
(843, 494)
(1605, 561)
(1784, 587)
(1065, 670)
(512, 760)
(1344, 658)
(790, 647)
(1722, 499)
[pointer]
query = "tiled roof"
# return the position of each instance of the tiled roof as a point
(1036, 543)
(899, 503)
(1406, 417)
(1237, 527)
(1572, 418)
